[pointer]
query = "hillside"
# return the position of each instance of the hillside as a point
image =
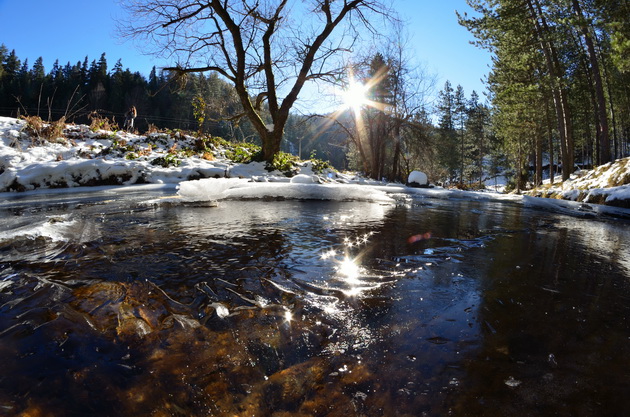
(607, 184)
(35, 155)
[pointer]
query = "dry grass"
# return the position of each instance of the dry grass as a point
(98, 122)
(41, 130)
(622, 176)
(152, 129)
(145, 152)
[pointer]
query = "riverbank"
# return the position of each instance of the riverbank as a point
(67, 156)
(608, 184)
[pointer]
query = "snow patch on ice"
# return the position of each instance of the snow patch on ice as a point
(304, 179)
(219, 189)
(57, 229)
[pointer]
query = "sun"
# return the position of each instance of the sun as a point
(355, 95)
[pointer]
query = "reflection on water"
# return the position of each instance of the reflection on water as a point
(310, 308)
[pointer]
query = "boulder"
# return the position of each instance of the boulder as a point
(417, 179)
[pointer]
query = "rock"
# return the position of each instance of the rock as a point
(417, 179)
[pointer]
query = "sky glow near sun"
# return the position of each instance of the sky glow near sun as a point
(355, 95)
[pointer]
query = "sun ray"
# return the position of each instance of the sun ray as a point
(355, 95)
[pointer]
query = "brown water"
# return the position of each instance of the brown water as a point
(283, 308)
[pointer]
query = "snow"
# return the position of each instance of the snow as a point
(55, 229)
(220, 189)
(98, 159)
(418, 177)
(304, 179)
(497, 183)
(608, 184)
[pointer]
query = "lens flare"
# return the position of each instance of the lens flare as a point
(288, 316)
(355, 95)
(418, 238)
(349, 269)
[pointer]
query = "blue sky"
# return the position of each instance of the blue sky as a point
(71, 29)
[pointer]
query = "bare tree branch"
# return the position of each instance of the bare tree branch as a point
(255, 45)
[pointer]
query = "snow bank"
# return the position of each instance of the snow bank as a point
(87, 158)
(607, 184)
(574, 208)
(220, 189)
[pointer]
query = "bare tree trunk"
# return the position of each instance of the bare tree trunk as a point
(519, 174)
(461, 163)
(613, 114)
(548, 124)
(396, 174)
(602, 125)
(552, 169)
(538, 179)
(560, 98)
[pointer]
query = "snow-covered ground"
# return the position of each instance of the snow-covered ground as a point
(607, 184)
(83, 157)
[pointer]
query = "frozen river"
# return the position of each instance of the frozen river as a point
(134, 305)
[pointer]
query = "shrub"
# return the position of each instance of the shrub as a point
(199, 111)
(99, 122)
(285, 163)
(34, 125)
(320, 165)
(219, 141)
(166, 161)
(243, 153)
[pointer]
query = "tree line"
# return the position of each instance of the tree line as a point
(76, 91)
(560, 80)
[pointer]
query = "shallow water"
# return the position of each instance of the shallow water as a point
(109, 306)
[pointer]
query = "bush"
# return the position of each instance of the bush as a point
(101, 123)
(285, 163)
(166, 161)
(243, 153)
(320, 165)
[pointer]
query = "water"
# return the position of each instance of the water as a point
(109, 306)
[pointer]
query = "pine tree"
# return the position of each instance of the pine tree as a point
(3, 56)
(477, 125)
(11, 65)
(459, 122)
(38, 72)
(447, 135)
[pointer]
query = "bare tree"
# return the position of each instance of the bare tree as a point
(265, 48)
(387, 125)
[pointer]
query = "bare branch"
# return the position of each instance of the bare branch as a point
(255, 45)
